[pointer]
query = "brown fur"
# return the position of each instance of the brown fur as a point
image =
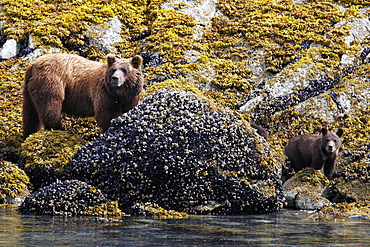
(57, 83)
(315, 151)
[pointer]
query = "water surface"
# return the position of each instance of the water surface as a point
(286, 228)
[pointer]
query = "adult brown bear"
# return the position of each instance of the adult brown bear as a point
(68, 83)
(315, 151)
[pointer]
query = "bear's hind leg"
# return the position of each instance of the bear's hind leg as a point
(31, 121)
(297, 162)
(51, 115)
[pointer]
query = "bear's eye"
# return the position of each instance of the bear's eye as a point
(124, 71)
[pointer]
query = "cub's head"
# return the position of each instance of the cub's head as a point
(331, 141)
(124, 74)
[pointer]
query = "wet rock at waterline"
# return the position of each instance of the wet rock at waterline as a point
(355, 210)
(184, 153)
(70, 197)
(14, 183)
(305, 190)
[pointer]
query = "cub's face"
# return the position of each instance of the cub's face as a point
(331, 141)
(124, 73)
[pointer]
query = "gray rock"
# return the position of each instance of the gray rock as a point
(9, 49)
(203, 12)
(105, 35)
(310, 201)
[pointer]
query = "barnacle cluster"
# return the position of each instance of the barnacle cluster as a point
(13, 181)
(70, 197)
(47, 153)
(185, 153)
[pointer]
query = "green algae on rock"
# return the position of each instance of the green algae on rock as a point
(153, 210)
(47, 153)
(250, 48)
(343, 211)
(13, 182)
(184, 153)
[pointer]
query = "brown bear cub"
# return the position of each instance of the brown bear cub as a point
(315, 151)
(260, 130)
(68, 83)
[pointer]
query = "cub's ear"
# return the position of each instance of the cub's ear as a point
(111, 58)
(340, 132)
(136, 61)
(324, 131)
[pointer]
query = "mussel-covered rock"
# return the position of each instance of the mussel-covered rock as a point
(184, 153)
(70, 197)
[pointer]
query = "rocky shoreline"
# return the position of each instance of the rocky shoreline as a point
(210, 68)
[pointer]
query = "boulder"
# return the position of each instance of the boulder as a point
(105, 35)
(182, 152)
(352, 184)
(9, 49)
(305, 190)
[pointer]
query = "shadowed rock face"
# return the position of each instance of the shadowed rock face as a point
(182, 152)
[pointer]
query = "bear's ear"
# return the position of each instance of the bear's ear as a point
(324, 131)
(111, 58)
(340, 132)
(136, 61)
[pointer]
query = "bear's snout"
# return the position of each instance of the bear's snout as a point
(115, 80)
(118, 78)
(330, 147)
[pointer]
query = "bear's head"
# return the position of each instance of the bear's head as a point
(331, 141)
(124, 74)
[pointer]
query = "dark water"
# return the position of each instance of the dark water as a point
(286, 228)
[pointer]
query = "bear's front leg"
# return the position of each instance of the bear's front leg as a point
(318, 161)
(329, 169)
(105, 111)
